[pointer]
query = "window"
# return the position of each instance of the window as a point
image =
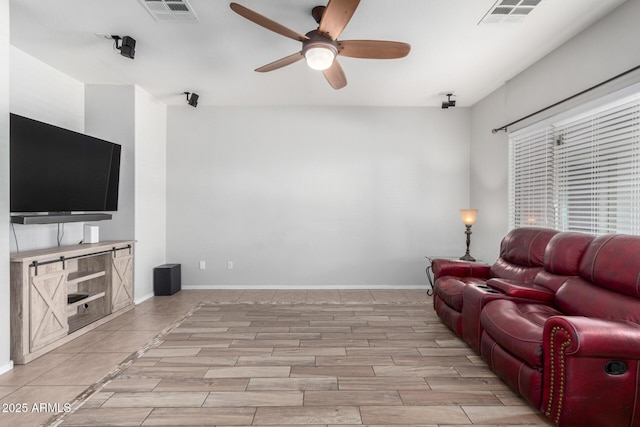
(531, 182)
(579, 172)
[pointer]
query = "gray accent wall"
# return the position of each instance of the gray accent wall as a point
(301, 197)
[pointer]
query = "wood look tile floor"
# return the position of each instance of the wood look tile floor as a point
(267, 358)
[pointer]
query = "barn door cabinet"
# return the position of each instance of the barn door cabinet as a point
(61, 293)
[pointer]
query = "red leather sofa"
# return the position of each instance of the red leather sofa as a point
(568, 341)
(521, 258)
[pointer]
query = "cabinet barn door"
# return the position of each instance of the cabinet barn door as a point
(47, 307)
(122, 281)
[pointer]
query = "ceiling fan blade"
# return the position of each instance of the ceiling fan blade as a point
(335, 75)
(267, 23)
(373, 49)
(336, 16)
(282, 62)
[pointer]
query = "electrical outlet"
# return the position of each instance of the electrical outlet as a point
(229, 265)
(203, 265)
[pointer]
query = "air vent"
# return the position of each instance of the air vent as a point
(170, 10)
(509, 11)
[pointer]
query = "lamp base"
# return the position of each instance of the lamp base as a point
(467, 257)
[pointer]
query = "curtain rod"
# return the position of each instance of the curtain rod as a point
(504, 128)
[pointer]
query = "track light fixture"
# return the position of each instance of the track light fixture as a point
(193, 99)
(448, 103)
(126, 45)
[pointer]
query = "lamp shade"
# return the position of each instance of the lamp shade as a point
(468, 216)
(319, 58)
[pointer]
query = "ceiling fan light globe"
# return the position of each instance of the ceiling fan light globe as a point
(319, 58)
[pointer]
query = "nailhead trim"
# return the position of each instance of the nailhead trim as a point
(554, 331)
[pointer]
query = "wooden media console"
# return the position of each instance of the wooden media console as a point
(61, 293)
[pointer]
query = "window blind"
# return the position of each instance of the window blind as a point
(531, 182)
(598, 178)
(581, 174)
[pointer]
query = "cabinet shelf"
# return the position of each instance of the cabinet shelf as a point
(83, 276)
(86, 300)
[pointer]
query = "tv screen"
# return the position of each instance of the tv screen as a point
(58, 170)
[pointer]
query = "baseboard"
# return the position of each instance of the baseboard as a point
(143, 298)
(227, 287)
(6, 367)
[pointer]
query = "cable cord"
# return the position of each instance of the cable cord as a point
(60, 236)
(15, 237)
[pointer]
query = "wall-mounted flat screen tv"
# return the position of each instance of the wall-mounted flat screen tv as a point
(58, 170)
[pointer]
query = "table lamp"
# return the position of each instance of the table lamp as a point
(468, 218)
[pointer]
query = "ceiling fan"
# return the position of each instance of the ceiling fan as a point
(320, 47)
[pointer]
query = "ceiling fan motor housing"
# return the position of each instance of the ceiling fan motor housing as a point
(317, 40)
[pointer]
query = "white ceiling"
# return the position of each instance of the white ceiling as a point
(216, 56)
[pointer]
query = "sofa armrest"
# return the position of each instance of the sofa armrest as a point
(459, 268)
(517, 290)
(590, 337)
(582, 357)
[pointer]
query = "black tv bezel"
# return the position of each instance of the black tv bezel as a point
(69, 213)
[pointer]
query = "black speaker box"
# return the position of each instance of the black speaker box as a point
(166, 279)
(128, 48)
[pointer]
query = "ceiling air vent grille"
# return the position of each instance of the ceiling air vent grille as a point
(170, 10)
(509, 11)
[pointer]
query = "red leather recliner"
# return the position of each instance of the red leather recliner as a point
(577, 358)
(562, 257)
(521, 258)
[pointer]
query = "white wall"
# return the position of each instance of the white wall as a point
(5, 362)
(129, 116)
(607, 48)
(43, 93)
(151, 190)
(314, 197)
(110, 115)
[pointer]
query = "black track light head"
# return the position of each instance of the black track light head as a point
(448, 103)
(126, 45)
(193, 99)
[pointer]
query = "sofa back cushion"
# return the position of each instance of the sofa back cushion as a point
(578, 297)
(565, 251)
(612, 262)
(522, 254)
(562, 258)
(609, 282)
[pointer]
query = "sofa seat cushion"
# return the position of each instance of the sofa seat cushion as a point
(517, 328)
(449, 289)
